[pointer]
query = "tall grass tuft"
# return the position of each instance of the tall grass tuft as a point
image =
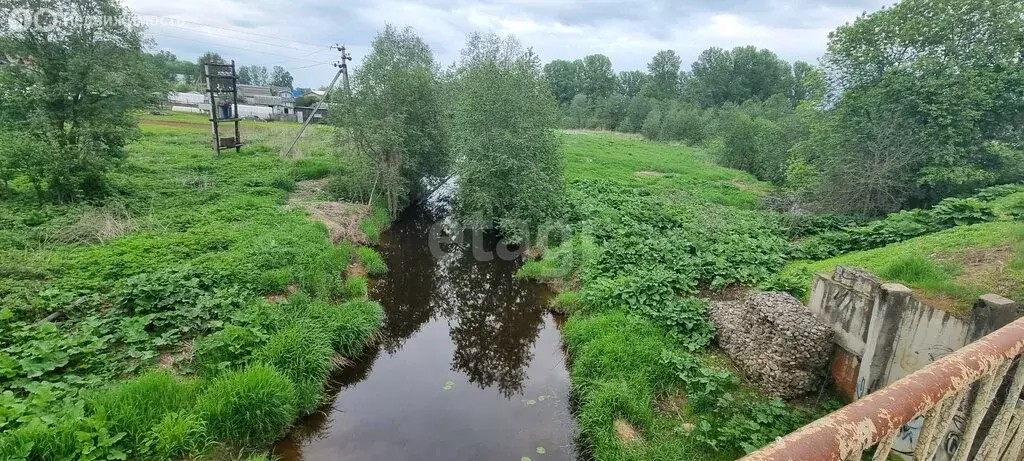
(372, 261)
(135, 406)
(177, 435)
(356, 286)
(914, 269)
(251, 407)
(303, 353)
(350, 326)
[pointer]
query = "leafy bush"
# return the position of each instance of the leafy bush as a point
(686, 320)
(226, 348)
(795, 282)
(252, 407)
(704, 384)
(176, 435)
(372, 261)
(136, 406)
(303, 354)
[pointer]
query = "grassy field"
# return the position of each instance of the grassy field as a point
(191, 313)
(653, 225)
(951, 268)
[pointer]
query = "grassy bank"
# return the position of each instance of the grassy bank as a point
(215, 309)
(655, 224)
(951, 268)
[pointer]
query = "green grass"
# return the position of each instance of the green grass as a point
(673, 169)
(252, 407)
(654, 222)
(177, 435)
(934, 264)
(136, 406)
(372, 261)
(356, 286)
(185, 248)
(350, 325)
(303, 354)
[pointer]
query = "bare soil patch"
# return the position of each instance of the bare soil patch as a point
(986, 267)
(650, 174)
(626, 433)
(341, 218)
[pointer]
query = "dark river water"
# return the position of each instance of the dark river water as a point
(470, 365)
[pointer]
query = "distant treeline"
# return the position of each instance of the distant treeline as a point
(910, 104)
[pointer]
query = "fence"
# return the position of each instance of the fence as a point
(983, 370)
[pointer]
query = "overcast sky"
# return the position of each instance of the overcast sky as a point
(297, 34)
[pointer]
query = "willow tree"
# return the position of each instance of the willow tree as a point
(393, 120)
(510, 166)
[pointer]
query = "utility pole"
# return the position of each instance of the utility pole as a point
(342, 70)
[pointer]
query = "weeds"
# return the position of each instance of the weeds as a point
(356, 287)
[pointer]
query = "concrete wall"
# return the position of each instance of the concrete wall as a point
(885, 333)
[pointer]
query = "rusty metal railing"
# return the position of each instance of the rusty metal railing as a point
(936, 392)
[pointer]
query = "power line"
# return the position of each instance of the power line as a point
(240, 48)
(320, 48)
(229, 28)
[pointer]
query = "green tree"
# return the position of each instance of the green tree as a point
(565, 79)
(719, 76)
(253, 75)
(631, 82)
(72, 108)
(599, 79)
(393, 118)
(663, 83)
(280, 77)
(579, 111)
(949, 72)
(511, 168)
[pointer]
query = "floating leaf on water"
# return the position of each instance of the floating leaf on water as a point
(541, 398)
(448, 385)
(525, 458)
(531, 402)
(541, 450)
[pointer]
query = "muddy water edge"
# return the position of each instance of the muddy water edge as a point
(470, 365)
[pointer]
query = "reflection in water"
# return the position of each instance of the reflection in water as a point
(449, 319)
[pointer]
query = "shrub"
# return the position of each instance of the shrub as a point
(135, 406)
(372, 261)
(686, 320)
(350, 326)
(302, 353)
(252, 407)
(226, 348)
(704, 384)
(356, 286)
(176, 435)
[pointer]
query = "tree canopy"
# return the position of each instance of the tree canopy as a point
(510, 167)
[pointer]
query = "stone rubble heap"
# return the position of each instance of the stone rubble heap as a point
(776, 342)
